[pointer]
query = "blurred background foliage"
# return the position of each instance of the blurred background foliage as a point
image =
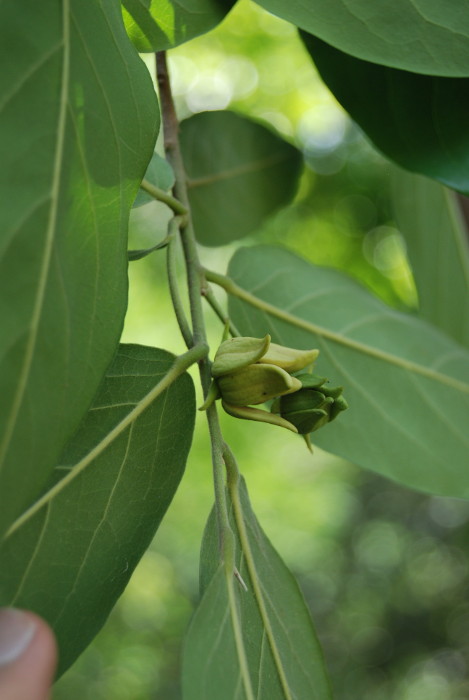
(385, 571)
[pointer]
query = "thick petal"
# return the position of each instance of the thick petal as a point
(237, 353)
(256, 384)
(250, 413)
(287, 358)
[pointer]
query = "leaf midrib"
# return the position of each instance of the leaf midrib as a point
(49, 239)
(255, 581)
(179, 366)
(251, 167)
(271, 309)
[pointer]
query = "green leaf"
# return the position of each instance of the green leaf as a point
(71, 559)
(239, 172)
(430, 219)
(424, 36)
(157, 25)
(160, 174)
(420, 121)
(77, 128)
(276, 655)
(407, 384)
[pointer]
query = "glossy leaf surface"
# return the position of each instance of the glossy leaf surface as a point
(419, 121)
(424, 36)
(71, 560)
(276, 654)
(407, 384)
(157, 25)
(430, 219)
(239, 172)
(77, 128)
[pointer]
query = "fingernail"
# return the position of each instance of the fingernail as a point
(16, 631)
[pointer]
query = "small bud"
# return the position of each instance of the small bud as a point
(340, 404)
(312, 406)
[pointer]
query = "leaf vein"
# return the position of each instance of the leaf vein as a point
(50, 234)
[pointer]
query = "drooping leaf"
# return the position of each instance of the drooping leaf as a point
(239, 172)
(77, 128)
(407, 384)
(276, 654)
(157, 25)
(430, 219)
(424, 36)
(71, 560)
(419, 121)
(158, 173)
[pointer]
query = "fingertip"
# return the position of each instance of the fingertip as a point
(28, 656)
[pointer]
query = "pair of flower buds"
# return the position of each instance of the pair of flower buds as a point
(250, 371)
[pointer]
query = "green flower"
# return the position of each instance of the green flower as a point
(312, 406)
(250, 371)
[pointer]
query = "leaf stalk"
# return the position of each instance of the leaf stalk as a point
(162, 196)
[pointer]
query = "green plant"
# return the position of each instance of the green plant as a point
(96, 435)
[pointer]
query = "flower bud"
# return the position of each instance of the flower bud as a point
(250, 371)
(312, 406)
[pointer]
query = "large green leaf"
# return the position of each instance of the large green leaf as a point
(238, 173)
(78, 122)
(274, 653)
(424, 36)
(420, 121)
(430, 219)
(407, 384)
(156, 25)
(70, 560)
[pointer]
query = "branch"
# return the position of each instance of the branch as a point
(196, 283)
(174, 156)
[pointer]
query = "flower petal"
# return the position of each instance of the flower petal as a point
(236, 353)
(250, 413)
(255, 384)
(287, 358)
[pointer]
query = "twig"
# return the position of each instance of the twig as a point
(162, 196)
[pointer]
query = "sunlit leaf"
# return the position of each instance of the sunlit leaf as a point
(424, 36)
(78, 123)
(156, 25)
(407, 384)
(420, 121)
(430, 219)
(276, 654)
(239, 172)
(71, 560)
